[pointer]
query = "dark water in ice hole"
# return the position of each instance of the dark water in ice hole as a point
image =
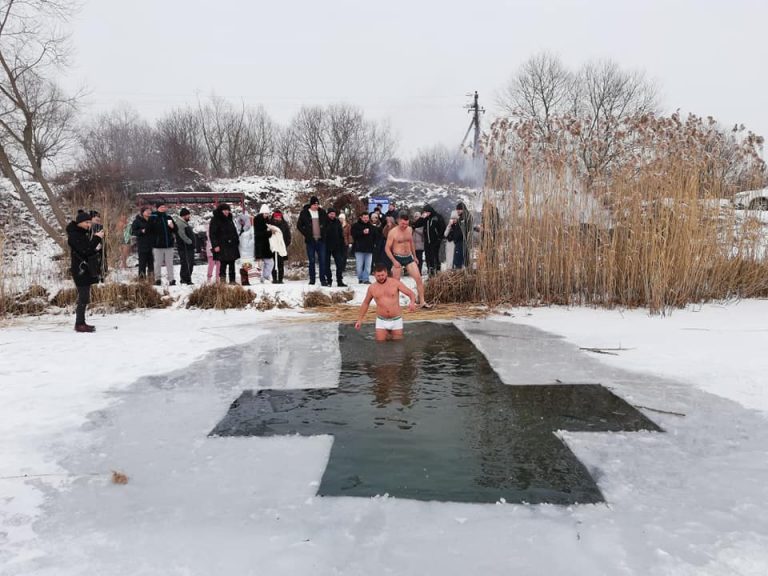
(427, 418)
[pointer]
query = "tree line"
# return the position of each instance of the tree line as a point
(600, 119)
(220, 139)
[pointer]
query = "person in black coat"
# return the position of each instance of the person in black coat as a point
(162, 228)
(84, 265)
(364, 239)
(224, 241)
(333, 238)
(144, 241)
(279, 270)
(311, 224)
(434, 230)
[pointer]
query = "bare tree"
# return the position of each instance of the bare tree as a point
(250, 141)
(338, 140)
(34, 114)
(180, 144)
(213, 123)
(121, 144)
(237, 141)
(287, 155)
(542, 89)
(605, 96)
(442, 165)
(549, 104)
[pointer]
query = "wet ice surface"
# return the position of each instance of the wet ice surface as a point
(427, 418)
(690, 501)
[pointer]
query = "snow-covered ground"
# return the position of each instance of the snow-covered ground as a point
(141, 394)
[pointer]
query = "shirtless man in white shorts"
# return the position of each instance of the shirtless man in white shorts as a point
(386, 292)
(402, 253)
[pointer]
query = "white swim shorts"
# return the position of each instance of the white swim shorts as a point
(389, 323)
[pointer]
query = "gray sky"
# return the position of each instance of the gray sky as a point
(413, 61)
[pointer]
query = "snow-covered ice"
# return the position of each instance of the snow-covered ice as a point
(142, 393)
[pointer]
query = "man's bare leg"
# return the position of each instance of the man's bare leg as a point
(413, 272)
(397, 334)
(381, 335)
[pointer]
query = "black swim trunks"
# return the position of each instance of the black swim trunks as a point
(403, 260)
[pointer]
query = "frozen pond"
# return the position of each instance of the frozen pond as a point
(427, 418)
(690, 500)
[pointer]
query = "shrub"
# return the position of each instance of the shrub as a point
(220, 296)
(116, 297)
(316, 299)
(268, 302)
(343, 296)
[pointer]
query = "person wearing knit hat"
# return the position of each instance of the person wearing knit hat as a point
(311, 225)
(225, 241)
(84, 266)
(265, 210)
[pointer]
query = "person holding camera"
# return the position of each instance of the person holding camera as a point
(85, 264)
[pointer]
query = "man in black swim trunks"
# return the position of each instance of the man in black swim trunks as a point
(402, 253)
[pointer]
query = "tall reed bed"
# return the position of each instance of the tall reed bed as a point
(654, 232)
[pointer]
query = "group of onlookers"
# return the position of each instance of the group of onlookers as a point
(328, 237)
(330, 241)
(157, 232)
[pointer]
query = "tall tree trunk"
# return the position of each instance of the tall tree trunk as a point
(6, 168)
(37, 172)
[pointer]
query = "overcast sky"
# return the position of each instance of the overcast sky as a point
(413, 61)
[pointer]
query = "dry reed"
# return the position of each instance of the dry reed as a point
(116, 297)
(316, 299)
(269, 301)
(220, 296)
(649, 235)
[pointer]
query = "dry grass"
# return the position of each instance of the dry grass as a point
(33, 301)
(268, 302)
(316, 299)
(343, 296)
(220, 296)
(651, 234)
(119, 478)
(348, 314)
(116, 297)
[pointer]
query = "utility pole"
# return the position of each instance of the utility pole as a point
(474, 109)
